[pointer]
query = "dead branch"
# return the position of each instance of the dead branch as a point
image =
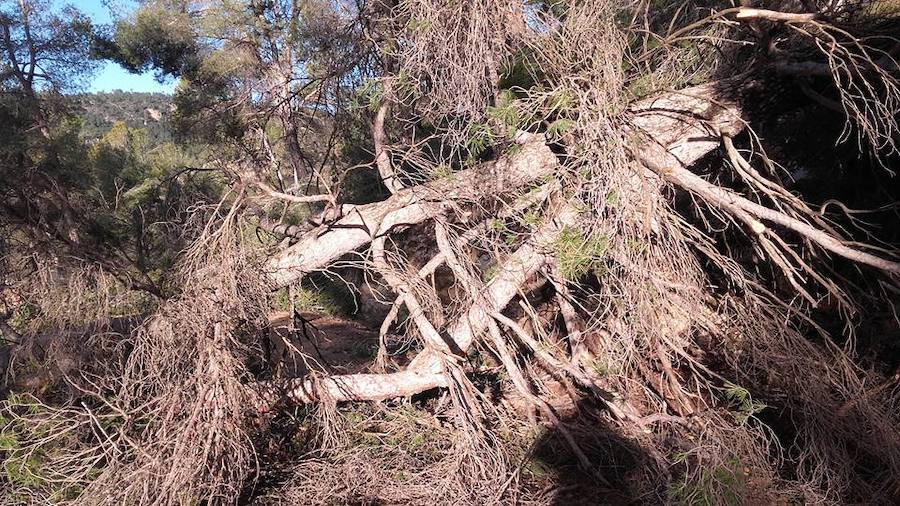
(672, 120)
(362, 387)
(671, 169)
(409, 206)
(287, 197)
(379, 137)
(770, 15)
(423, 371)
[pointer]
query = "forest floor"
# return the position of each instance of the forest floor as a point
(337, 345)
(547, 474)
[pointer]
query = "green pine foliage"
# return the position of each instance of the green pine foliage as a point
(578, 254)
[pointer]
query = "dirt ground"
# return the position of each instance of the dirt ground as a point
(319, 342)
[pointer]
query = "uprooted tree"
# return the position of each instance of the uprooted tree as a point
(596, 180)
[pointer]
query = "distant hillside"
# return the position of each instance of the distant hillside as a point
(150, 111)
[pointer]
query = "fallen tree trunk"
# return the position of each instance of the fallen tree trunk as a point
(686, 124)
(427, 367)
(360, 224)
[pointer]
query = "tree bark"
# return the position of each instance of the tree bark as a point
(360, 224)
(685, 125)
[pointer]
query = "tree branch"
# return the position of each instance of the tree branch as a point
(382, 156)
(409, 206)
(672, 170)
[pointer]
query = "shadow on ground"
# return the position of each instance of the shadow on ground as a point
(628, 472)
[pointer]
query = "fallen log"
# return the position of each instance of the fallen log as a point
(360, 224)
(686, 125)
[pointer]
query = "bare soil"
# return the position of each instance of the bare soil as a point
(321, 342)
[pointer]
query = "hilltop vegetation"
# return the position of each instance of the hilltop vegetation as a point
(150, 112)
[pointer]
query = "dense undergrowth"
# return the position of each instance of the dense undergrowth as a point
(614, 253)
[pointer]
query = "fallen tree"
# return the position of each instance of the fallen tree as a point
(617, 237)
(684, 123)
(360, 224)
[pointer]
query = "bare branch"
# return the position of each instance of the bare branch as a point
(296, 199)
(769, 15)
(669, 168)
(408, 207)
(382, 155)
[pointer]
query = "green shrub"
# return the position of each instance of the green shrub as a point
(577, 254)
(718, 485)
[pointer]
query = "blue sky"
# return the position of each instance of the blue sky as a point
(111, 76)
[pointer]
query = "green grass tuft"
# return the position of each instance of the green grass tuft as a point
(576, 254)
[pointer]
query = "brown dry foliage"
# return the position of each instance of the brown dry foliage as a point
(653, 318)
